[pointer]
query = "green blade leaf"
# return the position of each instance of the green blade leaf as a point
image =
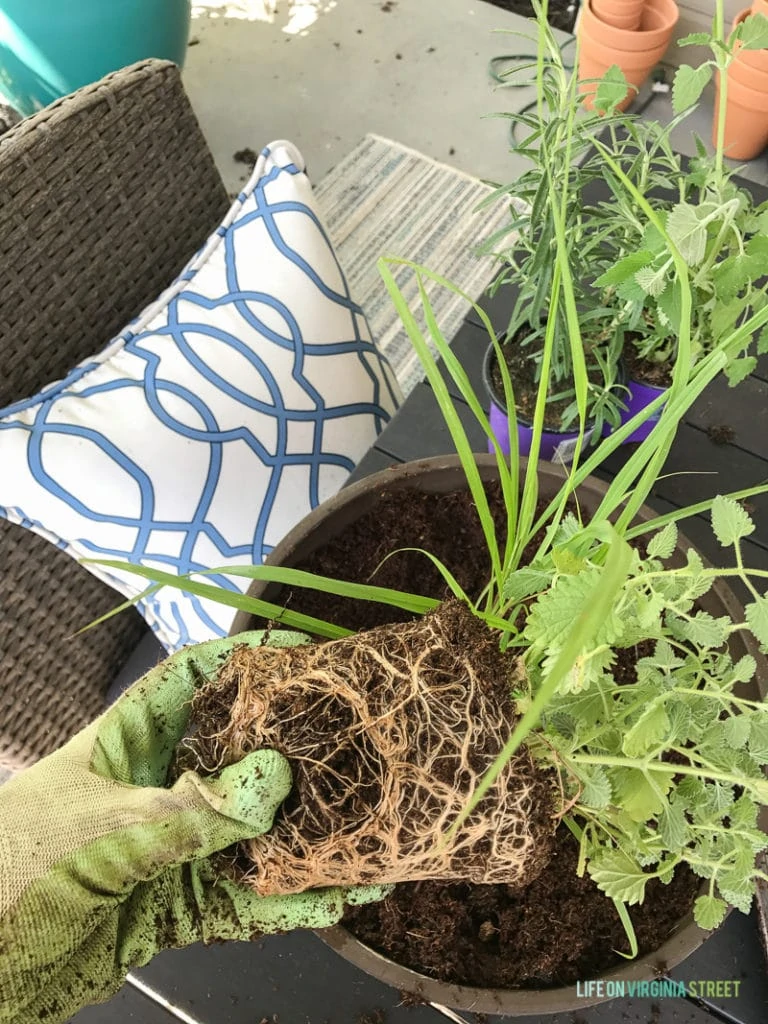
(730, 521)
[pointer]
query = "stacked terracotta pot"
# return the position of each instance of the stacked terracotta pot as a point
(746, 117)
(634, 34)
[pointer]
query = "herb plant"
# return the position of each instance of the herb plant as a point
(658, 770)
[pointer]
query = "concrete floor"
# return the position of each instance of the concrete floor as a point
(323, 73)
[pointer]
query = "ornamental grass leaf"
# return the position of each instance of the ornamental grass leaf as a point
(730, 521)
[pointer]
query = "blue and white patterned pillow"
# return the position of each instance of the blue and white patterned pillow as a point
(229, 409)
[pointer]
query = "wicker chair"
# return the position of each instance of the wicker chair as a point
(104, 196)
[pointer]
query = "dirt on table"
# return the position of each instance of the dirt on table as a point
(562, 927)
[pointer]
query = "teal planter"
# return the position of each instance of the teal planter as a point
(49, 48)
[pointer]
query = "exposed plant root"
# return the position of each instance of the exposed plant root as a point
(387, 733)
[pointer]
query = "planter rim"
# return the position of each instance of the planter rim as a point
(665, 14)
(685, 938)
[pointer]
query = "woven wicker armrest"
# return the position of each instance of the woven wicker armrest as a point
(104, 196)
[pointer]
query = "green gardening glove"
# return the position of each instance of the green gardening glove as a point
(101, 866)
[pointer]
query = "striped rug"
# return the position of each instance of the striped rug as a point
(386, 199)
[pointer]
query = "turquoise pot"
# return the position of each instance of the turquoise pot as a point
(49, 48)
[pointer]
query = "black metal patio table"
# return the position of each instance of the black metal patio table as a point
(296, 978)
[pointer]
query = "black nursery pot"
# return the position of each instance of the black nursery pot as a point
(444, 475)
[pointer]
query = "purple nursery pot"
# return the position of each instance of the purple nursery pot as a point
(638, 397)
(556, 445)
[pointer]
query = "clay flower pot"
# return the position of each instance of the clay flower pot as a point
(636, 53)
(746, 112)
(626, 14)
(760, 7)
(746, 119)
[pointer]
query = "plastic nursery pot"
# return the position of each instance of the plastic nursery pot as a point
(625, 14)
(638, 397)
(444, 475)
(50, 49)
(636, 53)
(556, 445)
(746, 119)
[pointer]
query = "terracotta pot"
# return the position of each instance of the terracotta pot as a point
(746, 118)
(443, 475)
(636, 53)
(625, 14)
(755, 59)
(760, 7)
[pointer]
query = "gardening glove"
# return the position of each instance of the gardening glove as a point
(101, 866)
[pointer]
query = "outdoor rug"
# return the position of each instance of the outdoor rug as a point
(387, 199)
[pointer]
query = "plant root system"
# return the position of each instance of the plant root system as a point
(388, 733)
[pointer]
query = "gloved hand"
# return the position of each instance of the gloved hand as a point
(101, 866)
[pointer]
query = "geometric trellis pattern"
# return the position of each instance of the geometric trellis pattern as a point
(233, 405)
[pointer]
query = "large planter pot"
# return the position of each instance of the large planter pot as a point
(626, 14)
(751, 60)
(636, 53)
(555, 445)
(50, 49)
(760, 7)
(443, 475)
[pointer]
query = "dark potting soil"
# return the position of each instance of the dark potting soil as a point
(658, 375)
(558, 929)
(553, 932)
(561, 13)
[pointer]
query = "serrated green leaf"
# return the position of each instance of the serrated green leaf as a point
(737, 729)
(688, 86)
(705, 631)
(731, 275)
(566, 562)
(526, 582)
(663, 543)
(633, 792)
(740, 896)
(744, 669)
(709, 912)
(730, 521)
(673, 827)
(596, 790)
(738, 370)
(754, 32)
(611, 89)
(694, 39)
(744, 812)
(625, 268)
(757, 619)
(758, 739)
(687, 232)
(619, 877)
(652, 281)
(650, 729)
